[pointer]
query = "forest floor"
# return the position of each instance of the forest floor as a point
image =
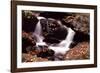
(79, 52)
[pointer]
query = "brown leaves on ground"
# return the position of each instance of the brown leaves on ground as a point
(30, 58)
(80, 51)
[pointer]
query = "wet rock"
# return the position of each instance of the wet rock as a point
(29, 21)
(78, 22)
(46, 53)
(56, 31)
(28, 41)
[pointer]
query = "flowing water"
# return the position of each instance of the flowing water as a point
(38, 33)
(62, 47)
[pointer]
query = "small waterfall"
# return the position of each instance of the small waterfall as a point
(38, 29)
(38, 33)
(63, 46)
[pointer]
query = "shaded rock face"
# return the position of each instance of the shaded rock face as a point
(54, 15)
(29, 22)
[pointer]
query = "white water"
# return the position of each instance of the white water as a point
(38, 33)
(62, 47)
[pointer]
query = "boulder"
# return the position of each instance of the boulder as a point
(78, 22)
